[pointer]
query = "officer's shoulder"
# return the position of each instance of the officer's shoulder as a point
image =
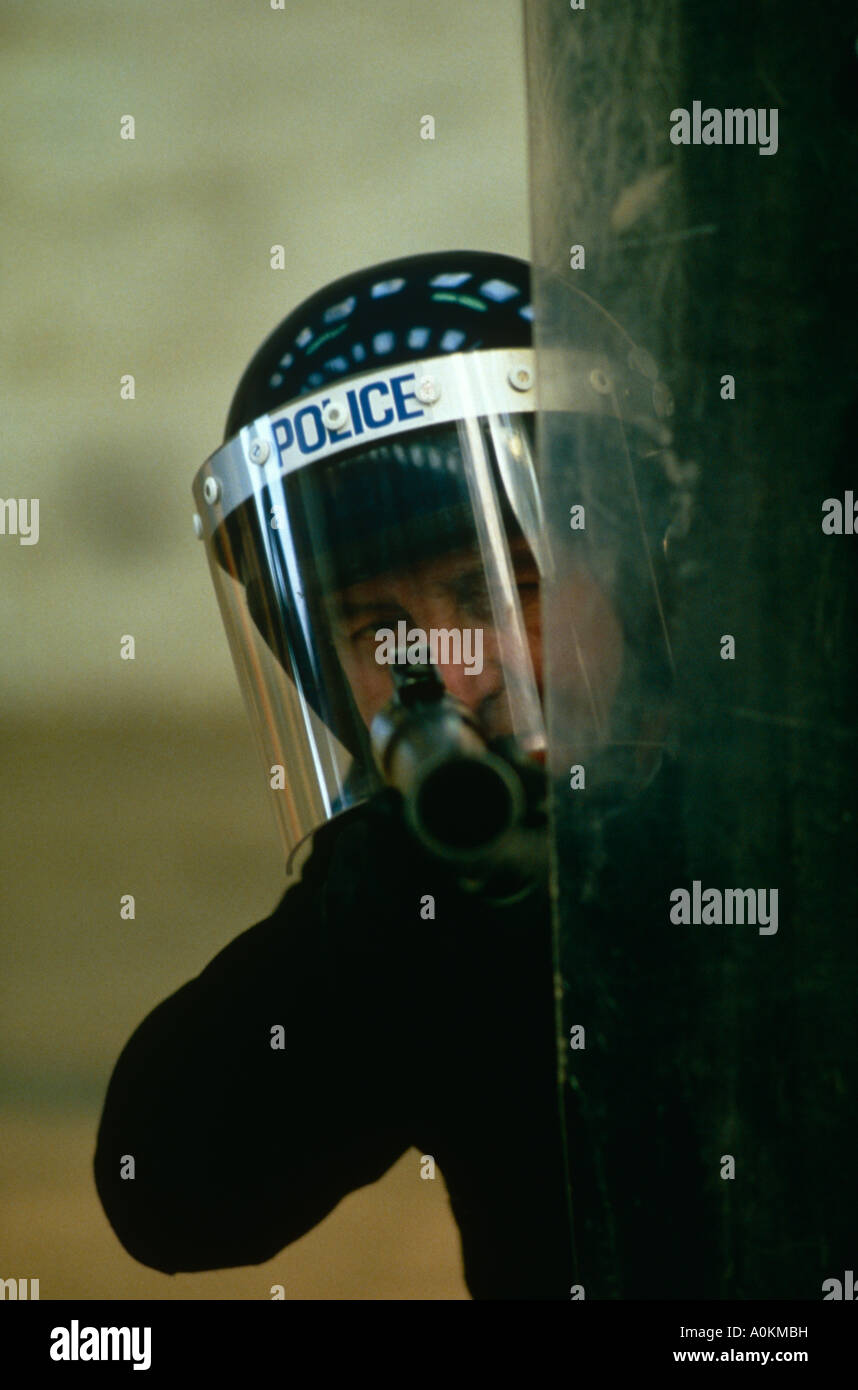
(372, 826)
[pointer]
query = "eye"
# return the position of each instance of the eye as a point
(366, 632)
(475, 604)
(383, 618)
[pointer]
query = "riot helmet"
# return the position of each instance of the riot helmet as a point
(377, 493)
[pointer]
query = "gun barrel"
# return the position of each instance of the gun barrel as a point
(460, 799)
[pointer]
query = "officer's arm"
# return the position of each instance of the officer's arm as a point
(218, 1145)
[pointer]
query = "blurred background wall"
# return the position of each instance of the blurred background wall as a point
(150, 256)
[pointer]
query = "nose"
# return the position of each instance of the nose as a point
(484, 694)
(470, 686)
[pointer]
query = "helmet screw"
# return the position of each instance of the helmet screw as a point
(520, 378)
(600, 381)
(258, 451)
(428, 390)
(334, 416)
(211, 491)
(198, 526)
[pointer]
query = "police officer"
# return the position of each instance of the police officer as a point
(374, 528)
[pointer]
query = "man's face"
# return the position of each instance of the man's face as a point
(449, 592)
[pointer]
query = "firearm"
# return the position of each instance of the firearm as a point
(476, 807)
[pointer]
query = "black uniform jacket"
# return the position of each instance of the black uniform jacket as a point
(401, 1030)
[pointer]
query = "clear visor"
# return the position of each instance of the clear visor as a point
(397, 514)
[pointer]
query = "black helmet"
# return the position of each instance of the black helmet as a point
(378, 474)
(381, 317)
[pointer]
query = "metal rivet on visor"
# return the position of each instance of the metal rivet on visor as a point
(211, 490)
(428, 390)
(520, 378)
(258, 451)
(600, 381)
(334, 416)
